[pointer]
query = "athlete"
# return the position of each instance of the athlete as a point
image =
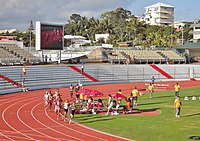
(110, 104)
(135, 94)
(177, 105)
(72, 111)
(24, 74)
(46, 99)
(66, 107)
(71, 88)
(177, 89)
(151, 90)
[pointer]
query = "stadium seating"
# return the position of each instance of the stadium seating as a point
(39, 77)
(23, 54)
(145, 56)
(8, 58)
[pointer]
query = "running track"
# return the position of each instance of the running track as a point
(23, 116)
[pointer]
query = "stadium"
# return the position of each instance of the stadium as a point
(99, 71)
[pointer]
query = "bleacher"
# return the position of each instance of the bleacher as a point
(7, 58)
(21, 53)
(39, 77)
(172, 55)
(145, 56)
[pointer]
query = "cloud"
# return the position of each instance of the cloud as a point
(19, 13)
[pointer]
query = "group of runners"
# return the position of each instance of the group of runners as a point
(60, 108)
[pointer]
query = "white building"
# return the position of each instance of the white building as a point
(196, 32)
(180, 24)
(104, 36)
(159, 14)
(7, 30)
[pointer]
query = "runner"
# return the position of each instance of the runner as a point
(66, 107)
(46, 99)
(71, 88)
(58, 107)
(72, 111)
(50, 100)
(77, 87)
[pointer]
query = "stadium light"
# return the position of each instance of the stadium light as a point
(30, 31)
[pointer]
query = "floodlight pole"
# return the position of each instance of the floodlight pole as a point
(182, 36)
(30, 31)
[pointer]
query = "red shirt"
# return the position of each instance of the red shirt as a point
(99, 104)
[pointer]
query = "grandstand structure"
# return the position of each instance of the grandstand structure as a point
(10, 54)
(122, 56)
(55, 76)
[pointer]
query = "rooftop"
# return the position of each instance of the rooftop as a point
(159, 5)
(189, 46)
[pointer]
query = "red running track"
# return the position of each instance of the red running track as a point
(23, 116)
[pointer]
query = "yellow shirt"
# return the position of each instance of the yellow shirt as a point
(177, 88)
(150, 87)
(24, 70)
(177, 103)
(81, 96)
(135, 92)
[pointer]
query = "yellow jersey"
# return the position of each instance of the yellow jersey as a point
(177, 103)
(177, 88)
(24, 70)
(135, 92)
(81, 96)
(150, 88)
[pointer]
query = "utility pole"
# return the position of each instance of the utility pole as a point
(30, 31)
(182, 35)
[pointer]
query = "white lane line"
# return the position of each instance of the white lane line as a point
(74, 129)
(50, 127)
(28, 125)
(6, 136)
(3, 117)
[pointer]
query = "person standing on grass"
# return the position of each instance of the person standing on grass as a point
(135, 94)
(177, 105)
(151, 90)
(110, 104)
(177, 89)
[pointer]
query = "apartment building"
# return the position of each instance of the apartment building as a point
(196, 31)
(159, 14)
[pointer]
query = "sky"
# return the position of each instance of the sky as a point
(17, 14)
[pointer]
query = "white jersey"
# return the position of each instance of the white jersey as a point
(66, 105)
(46, 97)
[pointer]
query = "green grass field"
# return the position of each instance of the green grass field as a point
(162, 127)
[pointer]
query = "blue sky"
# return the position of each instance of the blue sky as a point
(18, 13)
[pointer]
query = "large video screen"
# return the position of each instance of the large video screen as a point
(50, 36)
